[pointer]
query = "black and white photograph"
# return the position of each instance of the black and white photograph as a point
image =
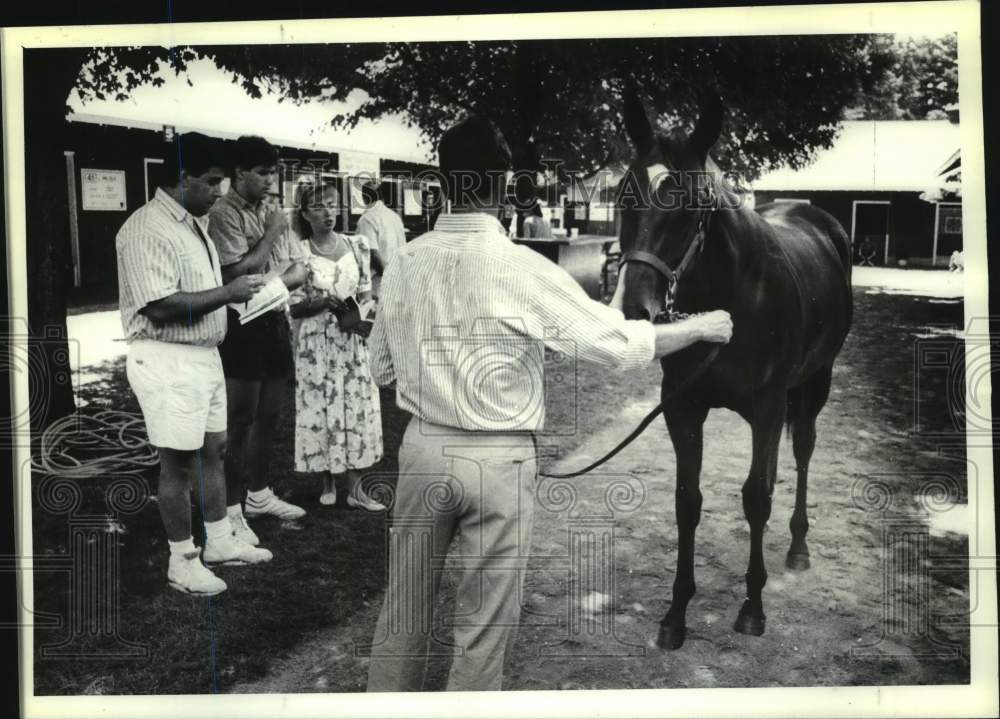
(580, 362)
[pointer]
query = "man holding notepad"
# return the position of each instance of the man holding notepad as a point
(256, 354)
(172, 301)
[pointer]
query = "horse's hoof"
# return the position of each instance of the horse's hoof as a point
(749, 623)
(797, 561)
(671, 637)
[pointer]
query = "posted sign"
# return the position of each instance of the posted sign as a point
(102, 189)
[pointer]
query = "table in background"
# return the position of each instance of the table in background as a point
(582, 257)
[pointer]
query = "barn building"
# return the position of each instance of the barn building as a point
(112, 169)
(882, 180)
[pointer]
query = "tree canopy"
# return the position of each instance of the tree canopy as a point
(783, 95)
(920, 83)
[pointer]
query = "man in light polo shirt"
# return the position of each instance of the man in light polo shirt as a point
(383, 227)
(256, 357)
(172, 304)
(464, 316)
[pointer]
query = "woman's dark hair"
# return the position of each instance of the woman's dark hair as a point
(192, 154)
(307, 194)
(251, 151)
(474, 158)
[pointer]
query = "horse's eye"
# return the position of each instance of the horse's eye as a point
(657, 174)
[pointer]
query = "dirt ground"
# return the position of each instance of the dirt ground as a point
(886, 598)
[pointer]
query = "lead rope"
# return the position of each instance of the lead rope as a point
(646, 421)
(666, 316)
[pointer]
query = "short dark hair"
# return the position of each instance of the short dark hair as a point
(253, 151)
(474, 157)
(193, 154)
(371, 192)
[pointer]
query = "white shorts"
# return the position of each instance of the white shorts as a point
(181, 390)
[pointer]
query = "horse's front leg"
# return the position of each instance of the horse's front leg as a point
(684, 421)
(768, 415)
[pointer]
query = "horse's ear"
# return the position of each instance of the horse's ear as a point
(637, 125)
(706, 132)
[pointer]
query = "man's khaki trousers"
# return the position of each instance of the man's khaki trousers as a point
(479, 485)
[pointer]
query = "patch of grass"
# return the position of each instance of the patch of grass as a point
(324, 567)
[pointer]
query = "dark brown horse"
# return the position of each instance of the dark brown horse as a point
(784, 274)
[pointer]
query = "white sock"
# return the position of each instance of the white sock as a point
(259, 495)
(215, 531)
(235, 511)
(183, 549)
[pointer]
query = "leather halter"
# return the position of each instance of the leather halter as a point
(673, 275)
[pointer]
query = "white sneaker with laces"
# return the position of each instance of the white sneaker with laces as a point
(187, 574)
(234, 551)
(272, 505)
(242, 530)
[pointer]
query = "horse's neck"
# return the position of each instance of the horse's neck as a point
(735, 245)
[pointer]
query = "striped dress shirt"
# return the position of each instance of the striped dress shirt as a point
(161, 251)
(466, 316)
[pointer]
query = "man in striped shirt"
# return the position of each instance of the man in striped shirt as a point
(172, 304)
(465, 317)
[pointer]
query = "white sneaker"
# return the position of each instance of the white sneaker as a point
(187, 574)
(273, 506)
(242, 530)
(232, 550)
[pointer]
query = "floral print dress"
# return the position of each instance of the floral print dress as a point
(338, 418)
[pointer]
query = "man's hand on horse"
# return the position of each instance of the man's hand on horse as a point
(715, 326)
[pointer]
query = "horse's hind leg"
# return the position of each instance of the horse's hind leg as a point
(767, 419)
(684, 421)
(804, 404)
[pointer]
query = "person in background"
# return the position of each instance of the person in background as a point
(172, 302)
(461, 329)
(338, 415)
(383, 228)
(257, 356)
(535, 224)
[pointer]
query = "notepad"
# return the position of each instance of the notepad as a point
(271, 296)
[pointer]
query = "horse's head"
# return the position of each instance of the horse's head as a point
(665, 198)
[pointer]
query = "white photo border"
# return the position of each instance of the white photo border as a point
(962, 16)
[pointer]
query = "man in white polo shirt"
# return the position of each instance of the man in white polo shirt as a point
(383, 227)
(464, 316)
(172, 304)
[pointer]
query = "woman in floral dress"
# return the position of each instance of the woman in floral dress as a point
(338, 420)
